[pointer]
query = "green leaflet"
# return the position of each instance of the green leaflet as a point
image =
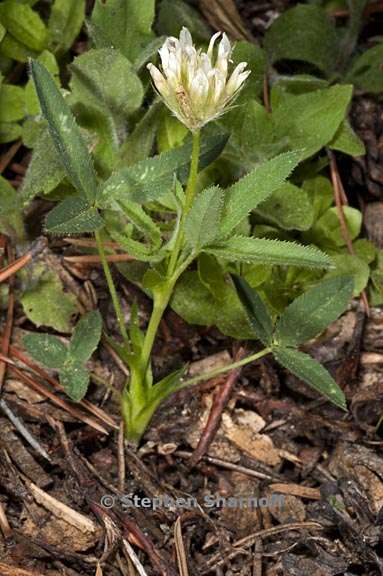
(311, 372)
(104, 79)
(69, 360)
(65, 22)
(45, 303)
(12, 103)
(288, 207)
(304, 33)
(202, 222)
(311, 313)
(86, 336)
(46, 349)
(23, 24)
(346, 141)
(45, 170)
(256, 310)
(65, 133)
(75, 380)
(366, 70)
(244, 249)
(73, 216)
(123, 24)
(197, 304)
(255, 187)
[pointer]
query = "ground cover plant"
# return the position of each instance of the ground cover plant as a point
(204, 171)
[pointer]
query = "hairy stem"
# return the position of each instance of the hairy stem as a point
(189, 197)
(112, 288)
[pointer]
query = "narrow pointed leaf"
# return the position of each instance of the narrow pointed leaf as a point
(244, 249)
(65, 133)
(73, 215)
(256, 310)
(311, 372)
(309, 314)
(255, 187)
(46, 349)
(86, 336)
(202, 222)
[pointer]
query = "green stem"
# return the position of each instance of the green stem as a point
(227, 368)
(189, 197)
(112, 288)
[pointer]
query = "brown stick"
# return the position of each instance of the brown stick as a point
(55, 399)
(340, 200)
(9, 322)
(220, 400)
(9, 155)
(11, 269)
(95, 259)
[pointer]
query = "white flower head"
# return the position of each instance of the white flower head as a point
(195, 85)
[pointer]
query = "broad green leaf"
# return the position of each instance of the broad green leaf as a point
(104, 79)
(311, 372)
(310, 121)
(123, 24)
(65, 22)
(212, 276)
(255, 187)
(327, 231)
(23, 24)
(9, 131)
(65, 133)
(256, 310)
(173, 14)
(46, 304)
(12, 103)
(149, 179)
(45, 171)
(12, 48)
(46, 349)
(351, 265)
(86, 336)
(289, 207)
(303, 33)
(366, 70)
(73, 216)
(244, 249)
(75, 380)
(197, 305)
(3, 32)
(346, 141)
(202, 222)
(299, 83)
(320, 193)
(309, 314)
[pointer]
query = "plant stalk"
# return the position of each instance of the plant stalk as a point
(112, 288)
(189, 197)
(218, 371)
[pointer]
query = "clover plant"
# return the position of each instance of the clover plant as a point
(179, 225)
